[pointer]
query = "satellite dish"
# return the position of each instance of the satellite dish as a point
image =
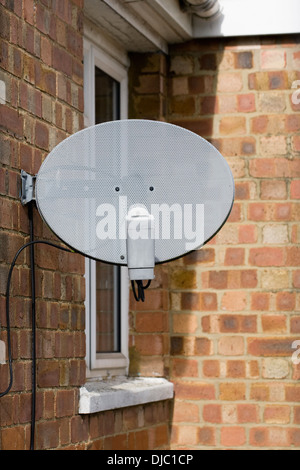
(108, 188)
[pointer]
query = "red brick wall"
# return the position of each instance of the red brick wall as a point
(41, 66)
(221, 321)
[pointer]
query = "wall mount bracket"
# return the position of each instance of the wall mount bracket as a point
(27, 191)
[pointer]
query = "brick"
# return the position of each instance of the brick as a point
(269, 346)
(45, 78)
(182, 65)
(202, 347)
(234, 257)
(227, 104)
(179, 86)
(234, 301)
(274, 368)
(277, 414)
(150, 344)
(247, 413)
(274, 279)
(206, 436)
(260, 301)
(211, 368)
(218, 279)
(295, 189)
(296, 143)
(294, 437)
(275, 234)
(184, 323)
(235, 125)
(65, 403)
(229, 82)
(229, 413)
(246, 103)
(273, 59)
(183, 105)
(266, 256)
(273, 190)
(232, 391)
(278, 437)
(151, 322)
(48, 374)
(293, 256)
(272, 102)
(208, 61)
(296, 278)
(200, 126)
(285, 300)
(259, 437)
(274, 145)
(259, 392)
(212, 413)
(208, 105)
(292, 393)
(183, 279)
(185, 368)
(231, 346)
(190, 301)
(41, 135)
(236, 369)
(292, 123)
(249, 278)
(244, 60)
(48, 434)
(233, 436)
(297, 414)
(196, 85)
(11, 121)
(13, 438)
(186, 412)
(274, 323)
(204, 256)
(194, 390)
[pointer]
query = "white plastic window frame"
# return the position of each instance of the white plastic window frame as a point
(104, 364)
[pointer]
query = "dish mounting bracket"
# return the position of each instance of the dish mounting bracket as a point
(27, 191)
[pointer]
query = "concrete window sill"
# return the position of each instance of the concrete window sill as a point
(116, 393)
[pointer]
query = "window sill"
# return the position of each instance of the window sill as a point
(116, 393)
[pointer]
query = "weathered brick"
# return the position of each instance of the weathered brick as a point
(276, 346)
(229, 82)
(273, 59)
(233, 436)
(231, 346)
(232, 391)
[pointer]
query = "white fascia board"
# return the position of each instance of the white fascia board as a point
(166, 17)
(99, 37)
(251, 18)
(125, 25)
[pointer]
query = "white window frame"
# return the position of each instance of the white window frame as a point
(104, 364)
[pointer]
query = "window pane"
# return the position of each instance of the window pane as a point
(107, 108)
(108, 308)
(107, 99)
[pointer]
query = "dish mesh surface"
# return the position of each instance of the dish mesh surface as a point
(97, 174)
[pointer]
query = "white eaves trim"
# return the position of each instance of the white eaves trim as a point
(151, 25)
(251, 18)
(121, 392)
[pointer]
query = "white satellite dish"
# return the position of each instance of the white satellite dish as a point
(108, 189)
